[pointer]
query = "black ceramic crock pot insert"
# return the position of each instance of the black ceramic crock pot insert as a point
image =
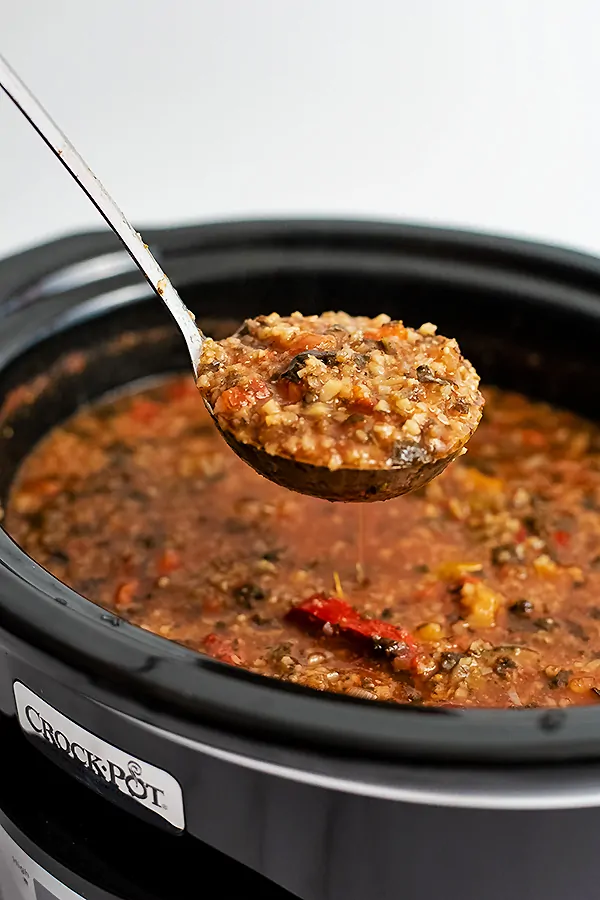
(528, 316)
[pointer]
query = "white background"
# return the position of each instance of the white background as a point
(471, 112)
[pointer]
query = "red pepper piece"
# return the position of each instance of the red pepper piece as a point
(222, 649)
(339, 615)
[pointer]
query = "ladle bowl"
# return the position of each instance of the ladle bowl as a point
(346, 484)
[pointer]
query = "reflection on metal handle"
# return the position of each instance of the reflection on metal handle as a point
(83, 175)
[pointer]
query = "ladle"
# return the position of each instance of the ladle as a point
(345, 484)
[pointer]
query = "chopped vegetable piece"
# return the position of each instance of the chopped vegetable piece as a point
(456, 571)
(341, 616)
(482, 604)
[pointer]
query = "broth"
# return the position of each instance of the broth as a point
(481, 589)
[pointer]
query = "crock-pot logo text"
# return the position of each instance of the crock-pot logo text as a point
(131, 781)
(148, 785)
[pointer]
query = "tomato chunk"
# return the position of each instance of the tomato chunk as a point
(530, 437)
(390, 329)
(562, 538)
(220, 648)
(168, 562)
(144, 411)
(237, 397)
(361, 402)
(309, 341)
(44, 488)
(125, 595)
(290, 392)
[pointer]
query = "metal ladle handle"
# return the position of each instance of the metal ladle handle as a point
(106, 206)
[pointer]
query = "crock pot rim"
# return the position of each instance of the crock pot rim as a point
(235, 698)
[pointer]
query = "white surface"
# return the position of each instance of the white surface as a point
(473, 113)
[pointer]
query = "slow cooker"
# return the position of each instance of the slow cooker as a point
(328, 796)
